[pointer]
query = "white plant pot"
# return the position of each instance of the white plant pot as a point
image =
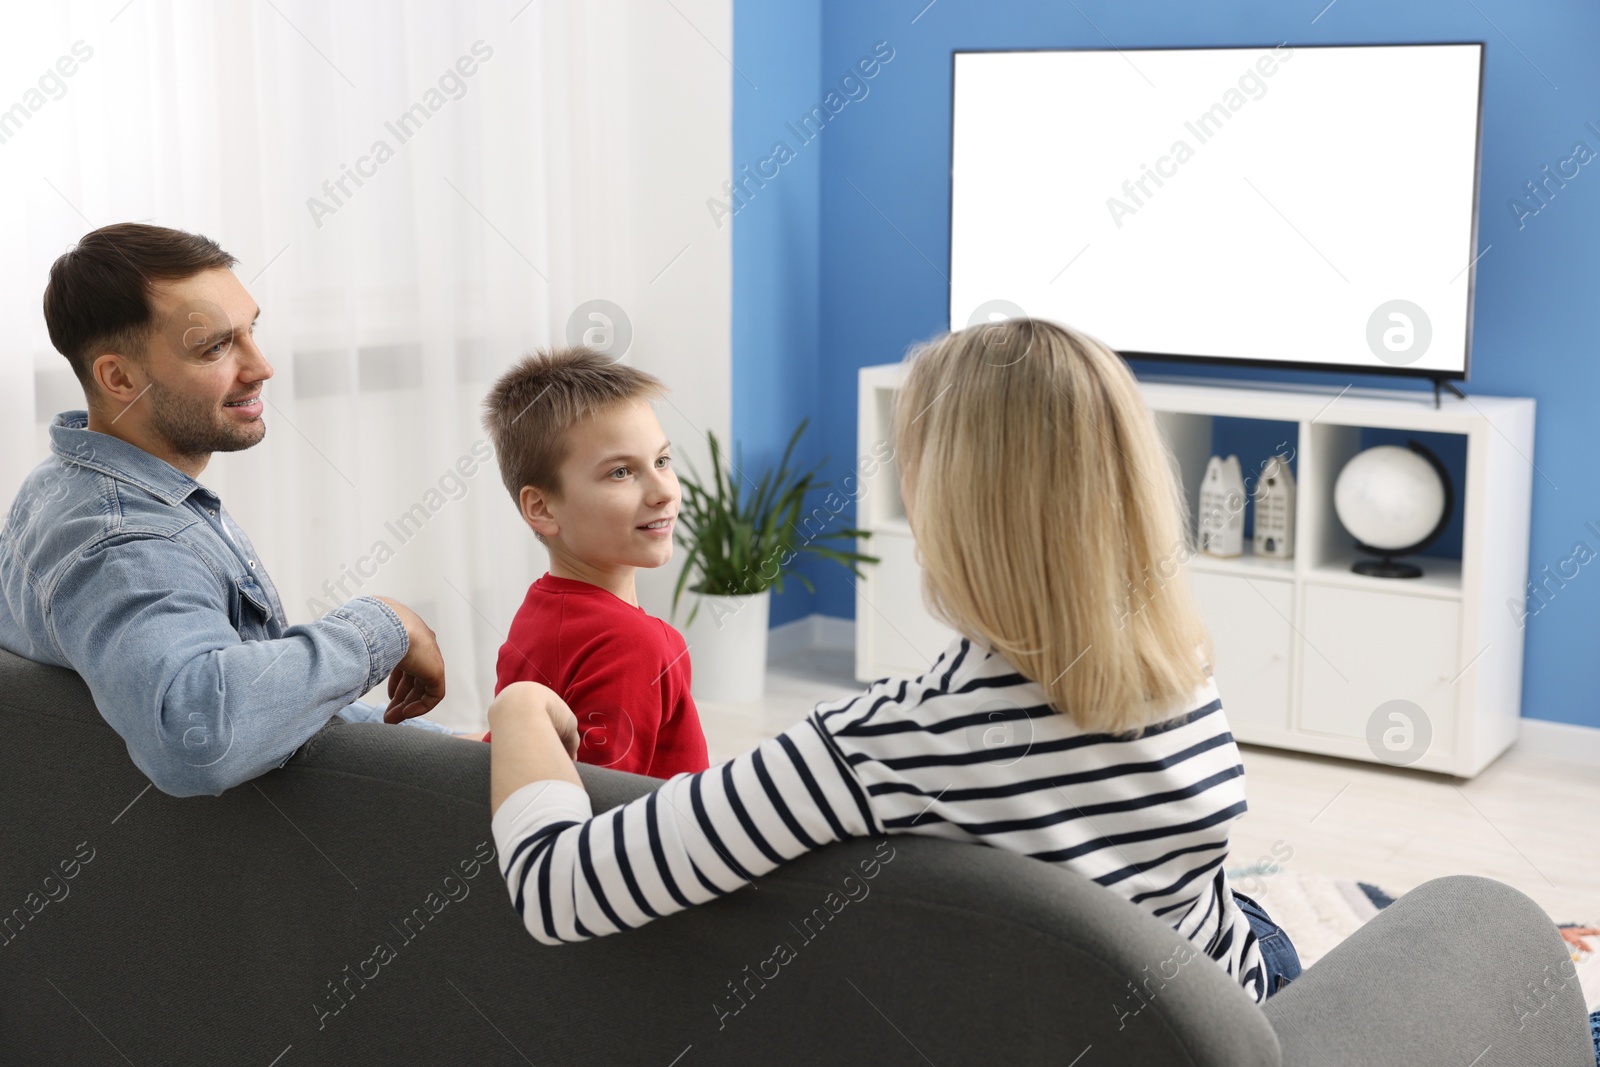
(728, 647)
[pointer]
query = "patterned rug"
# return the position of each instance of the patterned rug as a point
(1318, 912)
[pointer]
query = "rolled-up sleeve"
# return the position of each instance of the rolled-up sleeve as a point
(381, 630)
(202, 710)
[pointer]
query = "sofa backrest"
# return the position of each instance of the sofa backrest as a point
(347, 909)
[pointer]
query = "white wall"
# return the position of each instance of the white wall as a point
(601, 185)
(675, 94)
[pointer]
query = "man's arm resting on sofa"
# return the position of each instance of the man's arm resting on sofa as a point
(200, 709)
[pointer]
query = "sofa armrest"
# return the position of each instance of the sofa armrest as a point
(1427, 981)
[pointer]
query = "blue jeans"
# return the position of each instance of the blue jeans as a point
(1278, 956)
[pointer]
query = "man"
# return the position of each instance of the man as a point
(117, 563)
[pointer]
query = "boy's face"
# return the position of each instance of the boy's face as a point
(617, 477)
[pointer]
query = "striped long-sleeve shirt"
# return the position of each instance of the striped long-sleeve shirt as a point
(969, 751)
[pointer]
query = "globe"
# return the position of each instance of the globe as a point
(1391, 498)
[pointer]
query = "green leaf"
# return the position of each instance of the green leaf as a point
(736, 541)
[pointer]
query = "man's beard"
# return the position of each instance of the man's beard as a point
(197, 427)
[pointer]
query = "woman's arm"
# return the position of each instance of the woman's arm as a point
(527, 745)
(572, 875)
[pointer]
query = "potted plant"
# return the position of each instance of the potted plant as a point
(741, 546)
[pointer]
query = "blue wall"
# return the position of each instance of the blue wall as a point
(777, 236)
(882, 202)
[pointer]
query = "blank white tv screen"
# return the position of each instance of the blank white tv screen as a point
(1305, 206)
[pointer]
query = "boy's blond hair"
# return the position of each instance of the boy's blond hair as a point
(534, 404)
(1049, 519)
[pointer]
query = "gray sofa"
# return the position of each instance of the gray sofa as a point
(346, 910)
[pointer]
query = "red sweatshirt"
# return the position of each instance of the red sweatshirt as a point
(624, 673)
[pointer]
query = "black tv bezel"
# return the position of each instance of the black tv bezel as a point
(1244, 361)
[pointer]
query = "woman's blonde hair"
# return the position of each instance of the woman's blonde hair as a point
(1049, 519)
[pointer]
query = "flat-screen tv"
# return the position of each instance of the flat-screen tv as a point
(1287, 206)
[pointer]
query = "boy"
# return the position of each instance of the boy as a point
(585, 459)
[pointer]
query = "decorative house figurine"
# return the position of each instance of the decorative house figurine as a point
(1221, 511)
(1274, 536)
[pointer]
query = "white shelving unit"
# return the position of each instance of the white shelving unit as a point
(1306, 649)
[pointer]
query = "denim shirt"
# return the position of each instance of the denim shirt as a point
(117, 565)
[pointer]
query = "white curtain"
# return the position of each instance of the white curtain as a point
(515, 161)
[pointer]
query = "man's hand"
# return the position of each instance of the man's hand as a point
(417, 683)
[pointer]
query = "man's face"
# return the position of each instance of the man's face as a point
(617, 477)
(204, 372)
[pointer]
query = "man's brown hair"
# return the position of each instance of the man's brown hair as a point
(534, 404)
(98, 297)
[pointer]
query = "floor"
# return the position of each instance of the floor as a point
(1521, 821)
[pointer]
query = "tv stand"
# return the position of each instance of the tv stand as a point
(1309, 654)
(1445, 383)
